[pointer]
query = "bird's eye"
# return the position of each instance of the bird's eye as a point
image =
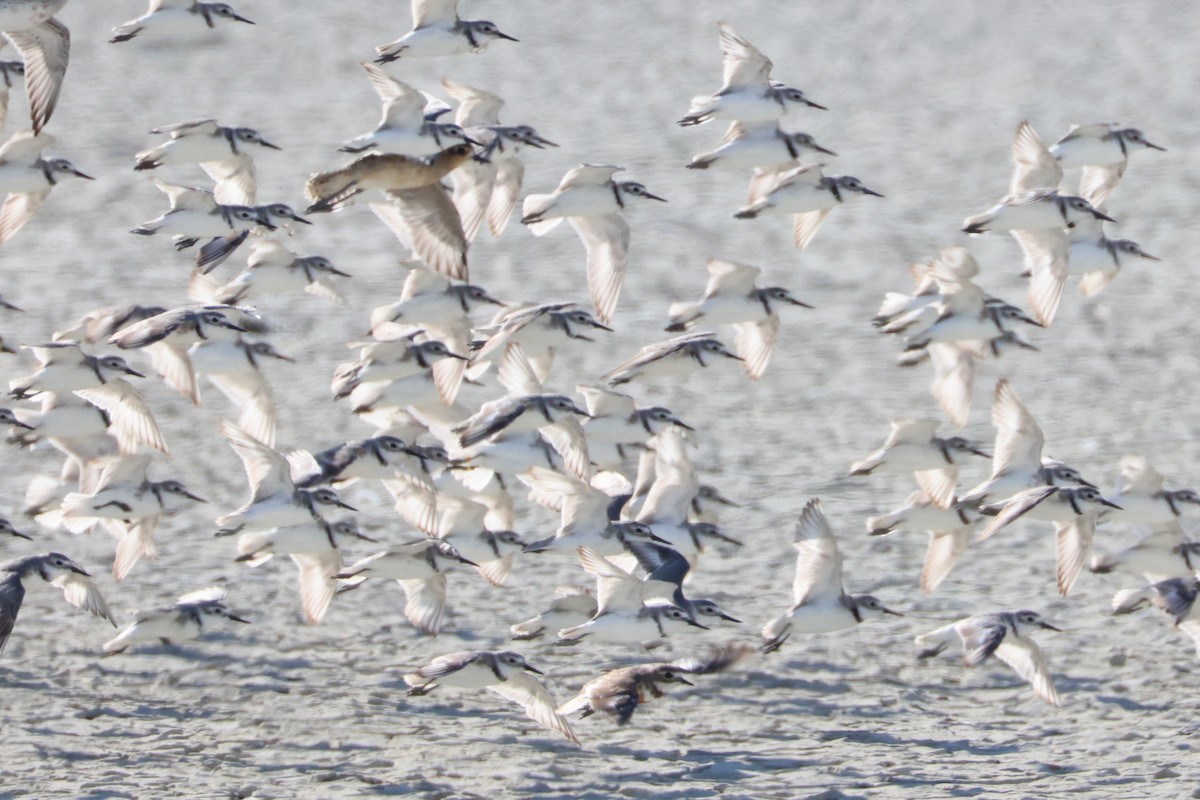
(668, 675)
(58, 563)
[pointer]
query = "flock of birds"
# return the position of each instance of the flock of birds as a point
(631, 506)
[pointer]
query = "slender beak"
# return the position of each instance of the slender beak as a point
(1102, 215)
(649, 196)
(1147, 256)
(734, 356)
(811, 104)
(267, 144)
(300, 219)
(20, 535)
(233, 326)
(872, 192)
(601, 326)
(267, 225)
(79, 174)
(1049, 627)
(887, 610)
(500, 35)
(1028, 346)
(336, 271)
(235, 617)
(678, 423)
(134, 372)
(979, 452)
(656, 538)
(1108, 503)
(475, 142)
(467, 561)
(684, 681)
(456, 355)
(533, 670)
(695, 624)
(17, 423)
(79, 570)
(824, 150)
(1031, 321)
(345, 505)
(243, 19)
(800, 303)
(728, 618)
(282, 357)
(1082, 482)
(1153, 146)
(194, 497)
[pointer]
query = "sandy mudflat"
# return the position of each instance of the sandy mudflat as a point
(923, 98)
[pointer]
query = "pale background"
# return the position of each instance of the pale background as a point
(923, 99)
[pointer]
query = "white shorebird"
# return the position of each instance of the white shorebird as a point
(590, 198)
(313, 548)
(617, 422)
(1004, 635)
(200, 141)
(764, 147)
(1142, 498)
(409, 125)
(628, 609)
(382, 458)
(506, 673)
(912, 445)
(1072, 509)
(271, 270)
(223, 151)
(585, 516)
(390, 360)
(949, 533)
(429, 298)
(274, 500)
(438, 31)
(572, 605)
(1084, 249)
(131, 505)
(196, 214)
(419, 567)
(235, 367)
(538, 331)
(27, 178)
(670, 359)
(747, 93)
(1160, 553)
(620, 692)
(807, 193)
(1103, 151)
(181, 622)
(1017, 460)
(1038, 209)
(65, 367)
(1175, 596)
(56, 569)
(168, 336)
(45, 46)
(489, 187)
(466, 525)
(819, 600)
(166, 18)
(731, 297)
